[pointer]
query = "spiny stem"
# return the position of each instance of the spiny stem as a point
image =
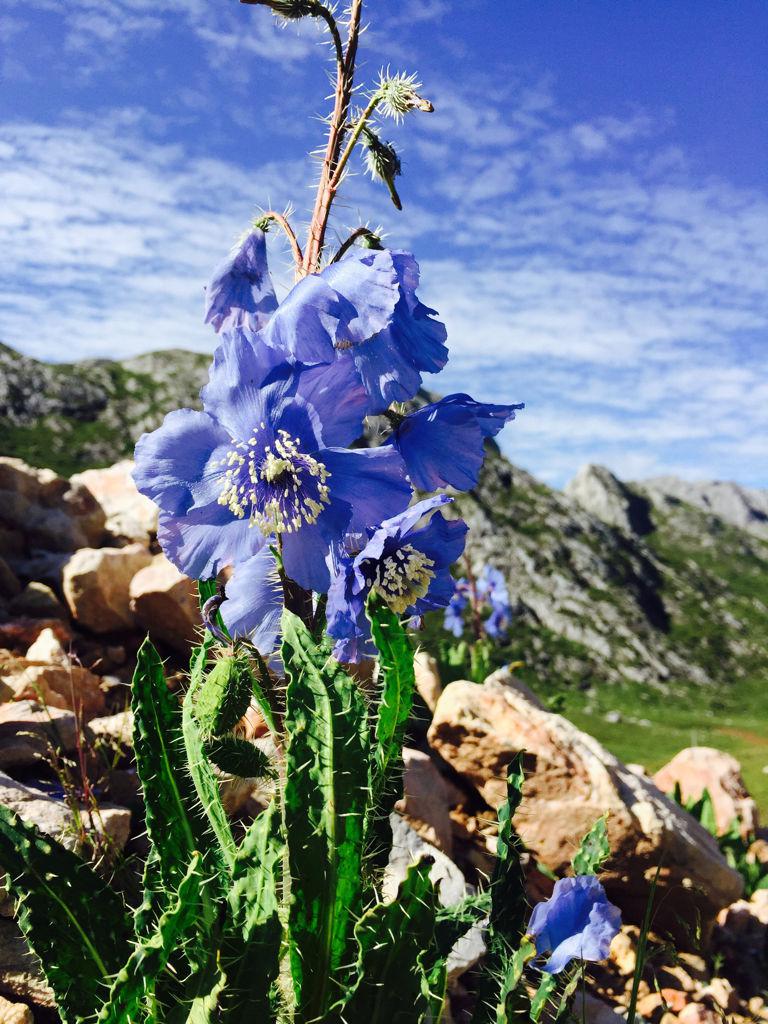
(280, 219)
(345, 246)
(345, 74)
(374, 101)
(327, 16)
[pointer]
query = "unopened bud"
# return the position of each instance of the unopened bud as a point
(288, 9)
(399, 95)
(382, 161)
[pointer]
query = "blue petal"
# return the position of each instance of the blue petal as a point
(316, 317)
(240, 293)
(306, 550)
(204, 541)
(442, 540)
(337, 395)
(178, 465)
(255, 601)
(443, 443)
(370, 480)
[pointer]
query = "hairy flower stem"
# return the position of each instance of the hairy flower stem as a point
(282, 221)
(360, 232)
(326, 190)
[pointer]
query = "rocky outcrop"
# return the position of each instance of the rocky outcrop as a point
(698, 768)
(744, 507)
(571, 780)
(597, 490)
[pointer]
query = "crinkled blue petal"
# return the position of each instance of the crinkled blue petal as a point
(306, 550)
(443, 443)
(240, 292)
(254, 602)
(337, 395)
(577, 922)
(203, 541)
(372, 482)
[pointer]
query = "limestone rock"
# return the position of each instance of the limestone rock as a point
(427, 799)
(165, 602)
(700, 768)
(38, 601)
(427, 679)
(571, 781)
(129, 514)
(69, 687)
(116, 729)
(20, 973)
(96, 584)
(27, 730)
(744, 507)
(47, 649)
(14, 1013)
(598, 491)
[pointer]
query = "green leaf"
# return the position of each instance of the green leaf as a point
(506, 922)
(389, 985)
(543, 996)
(251, 951)
(223, 697)
(131, 996)
(594, 849)
(325, 800)
(175, 823)
(75, 923)
(239, 757)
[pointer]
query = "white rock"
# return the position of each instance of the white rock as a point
(129, 514)
(96, 583)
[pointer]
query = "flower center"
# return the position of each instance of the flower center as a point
(403, 577)
(276, 486)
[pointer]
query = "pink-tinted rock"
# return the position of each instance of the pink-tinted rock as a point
(129, 514)
(700, 768)
(571, 780)
(165, 602)
(427, 799)
(70, 687)
(96, 583)
(427, 679)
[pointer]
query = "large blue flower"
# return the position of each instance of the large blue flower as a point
(262, 462)
(363, 308)
(405, 564)
(576, 923)
(240, 292)
(443, 443)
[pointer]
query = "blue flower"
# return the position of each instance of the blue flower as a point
(492, 589)
(576, 923)
(240, 293)
(363, 308)
(261, 462)
(408, 566)
(443, 443)
(453, 620)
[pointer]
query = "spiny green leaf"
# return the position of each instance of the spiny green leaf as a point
(223, 697)
(389, 985)
(175, 822)
(325, 800)
(594, 849)
(239, 757)
(133, 988)
(75, 923)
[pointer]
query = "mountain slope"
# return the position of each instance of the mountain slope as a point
(641, 608)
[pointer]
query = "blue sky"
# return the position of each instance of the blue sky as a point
(589, 202)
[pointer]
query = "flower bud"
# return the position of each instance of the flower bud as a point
(399, 95)
(381, 161)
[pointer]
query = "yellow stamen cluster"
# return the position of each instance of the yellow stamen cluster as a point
(276, 486)
(403, 577)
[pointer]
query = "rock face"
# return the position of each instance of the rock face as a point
(128, 513)
(27, 731)
(598, 491)
(744, 507)
(571, 781)
(165, 602)
(700, 768)
(96, 585)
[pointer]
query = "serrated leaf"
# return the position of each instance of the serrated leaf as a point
(131, 995)
(594, 849)
(389, 985)
(75, 923)
(325, 799)
(175, 823)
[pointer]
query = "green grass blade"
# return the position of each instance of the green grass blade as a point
(132, 990)
(75, 923)
(325, 798)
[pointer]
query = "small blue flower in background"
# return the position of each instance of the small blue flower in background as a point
(240, 292)
(492, 589)
(408, 566)
(442, 444)
(453, 620)
(261, 462)
(576, 923)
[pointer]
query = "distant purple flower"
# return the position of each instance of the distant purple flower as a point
(576, 923)
(260, 462)
(443, 443)
(453, 620)
(240, 293)
(492, 589)
(406, 565)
